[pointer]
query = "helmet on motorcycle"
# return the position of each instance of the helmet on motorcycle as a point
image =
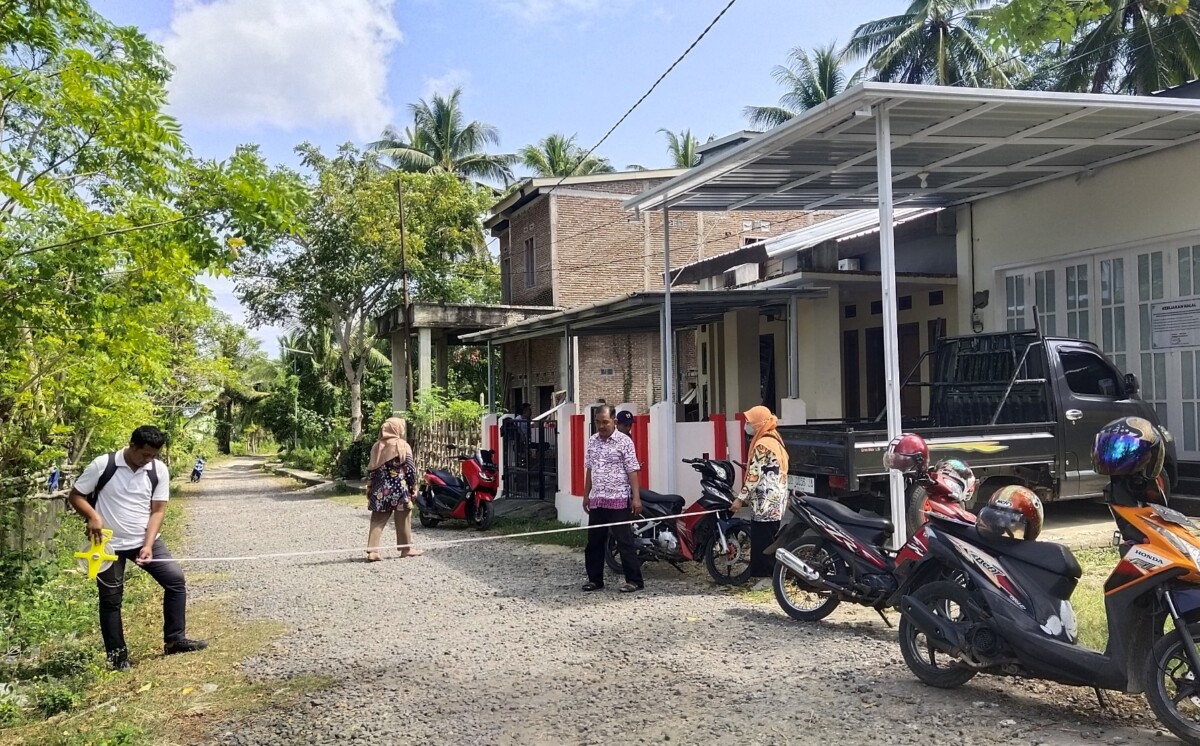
(906, 453)
(1014, 512)
(1130, 446)
(956, 478)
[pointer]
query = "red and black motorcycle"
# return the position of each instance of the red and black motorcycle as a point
(827, 553)
(719, 540)
(444, 496)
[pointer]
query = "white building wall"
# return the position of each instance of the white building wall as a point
(1095, 252)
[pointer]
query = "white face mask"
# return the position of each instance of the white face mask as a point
(749, 429)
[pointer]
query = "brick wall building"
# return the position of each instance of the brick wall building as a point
(571, 244)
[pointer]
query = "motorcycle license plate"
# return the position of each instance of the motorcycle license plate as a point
(802, 485)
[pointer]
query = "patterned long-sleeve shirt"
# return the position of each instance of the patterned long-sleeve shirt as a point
(765, 489)
(390, 487)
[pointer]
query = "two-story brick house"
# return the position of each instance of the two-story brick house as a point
(568, 243)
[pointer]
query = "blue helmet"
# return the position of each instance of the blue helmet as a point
(1130, 446)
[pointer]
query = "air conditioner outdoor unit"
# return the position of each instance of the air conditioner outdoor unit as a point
(852, 264)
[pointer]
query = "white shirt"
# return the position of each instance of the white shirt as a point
(124, 504)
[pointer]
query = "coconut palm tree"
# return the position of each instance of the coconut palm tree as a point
(940, 42)
(441, 140)
(1138, 47)
(558, 155)
(682, 147)
(809, 80)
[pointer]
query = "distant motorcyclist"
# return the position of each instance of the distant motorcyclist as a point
(198, 469)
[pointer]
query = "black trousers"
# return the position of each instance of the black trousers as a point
(111, 584)
(762, 535)
(597, 545)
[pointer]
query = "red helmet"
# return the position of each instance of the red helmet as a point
(906, 453)
(1014, 512)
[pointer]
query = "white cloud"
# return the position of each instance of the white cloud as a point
(540, 12)
(445, 84)
(287, 64)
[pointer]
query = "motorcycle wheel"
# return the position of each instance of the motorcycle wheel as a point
(721, 564)
(484, 515)
(426, 520)
(786, 583)
(612, 557)
(945, 599)
(1167, 669)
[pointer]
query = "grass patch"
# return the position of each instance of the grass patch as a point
(749, 595)
(55, 687)
(523, 525)
(1088, 598)
(343, 495)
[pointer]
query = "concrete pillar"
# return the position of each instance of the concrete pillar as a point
(740, 361)
(820, 355)
(424, 359)
(399, 374)
(441, 349)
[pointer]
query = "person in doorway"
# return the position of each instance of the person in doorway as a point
(127, 491)
(625, 423)
(611, 495)
(391, 489)
(765, 488)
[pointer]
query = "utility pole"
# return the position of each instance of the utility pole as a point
(408, 371)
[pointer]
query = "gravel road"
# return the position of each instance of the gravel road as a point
(493, 643)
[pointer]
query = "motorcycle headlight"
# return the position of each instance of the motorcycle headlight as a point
(1183, 547)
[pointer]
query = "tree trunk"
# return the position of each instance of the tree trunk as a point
(356, 416)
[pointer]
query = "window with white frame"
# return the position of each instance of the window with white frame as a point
(1014, 299)
(1189, 271)
(1151, 287)
(1078, 302)
(1113, 337)
(530, 264)
(1044, 298)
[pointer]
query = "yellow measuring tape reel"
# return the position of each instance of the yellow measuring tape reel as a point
(96, 558)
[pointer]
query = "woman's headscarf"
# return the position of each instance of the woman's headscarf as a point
(391, 444)
(766, 434)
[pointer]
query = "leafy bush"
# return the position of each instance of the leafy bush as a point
(435, 406)
(10, 713)
(352, 462)
(465, 412)
(122, 734)
(308, 459)
(66, 662)
(55, 698)
(238, 448)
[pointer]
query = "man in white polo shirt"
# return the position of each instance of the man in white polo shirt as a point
(127, 492)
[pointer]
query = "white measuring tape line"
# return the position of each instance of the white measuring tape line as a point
(441, 543)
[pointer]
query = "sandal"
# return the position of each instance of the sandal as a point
(631, 588)
(373, 557)
(593, 586)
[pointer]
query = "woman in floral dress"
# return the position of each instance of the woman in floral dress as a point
(765, 488)
(391, 488)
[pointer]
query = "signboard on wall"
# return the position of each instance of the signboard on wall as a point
(1176, 324)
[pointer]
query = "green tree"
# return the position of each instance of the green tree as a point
(558, 155)
(1130, 46)
(682, 148)
(342, 267)
(940, 42)
(440, 140)
(105, 223)
(808, 81)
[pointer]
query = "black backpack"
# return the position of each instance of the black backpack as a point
(106, 476)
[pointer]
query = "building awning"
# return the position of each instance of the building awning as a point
(639, 312)
(949, 146)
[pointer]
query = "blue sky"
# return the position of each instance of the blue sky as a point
(279, 72)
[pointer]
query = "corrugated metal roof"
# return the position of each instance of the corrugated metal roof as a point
(949, 146)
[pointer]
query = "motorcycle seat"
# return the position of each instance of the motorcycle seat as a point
(674, 501)
(841, 514)
(447, 477)
(1052, 557)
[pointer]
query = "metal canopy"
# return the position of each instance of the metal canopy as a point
(967, 144)
(639, 313)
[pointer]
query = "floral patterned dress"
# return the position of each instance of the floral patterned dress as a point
(390, 487)
(765, 489)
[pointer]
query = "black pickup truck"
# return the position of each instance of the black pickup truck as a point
(1018, 407)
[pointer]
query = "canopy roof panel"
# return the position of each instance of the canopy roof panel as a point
(949, 146)
(640, 312)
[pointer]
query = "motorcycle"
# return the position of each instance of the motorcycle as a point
(827, 553)
(719, 540)
(197, 471)
(1014, 616)
(444, 496)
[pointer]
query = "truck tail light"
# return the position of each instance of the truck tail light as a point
(837, 483)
